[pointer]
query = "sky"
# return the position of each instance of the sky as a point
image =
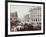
(21, 10)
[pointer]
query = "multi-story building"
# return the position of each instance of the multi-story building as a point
(28, 19)
(13, 17)
(36, 16)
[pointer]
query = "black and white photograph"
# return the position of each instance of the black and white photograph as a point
(24, 18)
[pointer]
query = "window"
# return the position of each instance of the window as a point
(32, 19)
(10, 18)
(36, 19)
(14, 18)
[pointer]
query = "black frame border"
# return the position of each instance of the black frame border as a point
(6, 18)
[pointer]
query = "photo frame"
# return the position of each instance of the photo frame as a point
(24, 18)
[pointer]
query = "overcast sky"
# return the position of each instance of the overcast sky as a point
(21, 10)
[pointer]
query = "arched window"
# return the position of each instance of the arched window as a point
(14, 18)
(10, 18)
(32, 19)
(36, 19)
(40, 19)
